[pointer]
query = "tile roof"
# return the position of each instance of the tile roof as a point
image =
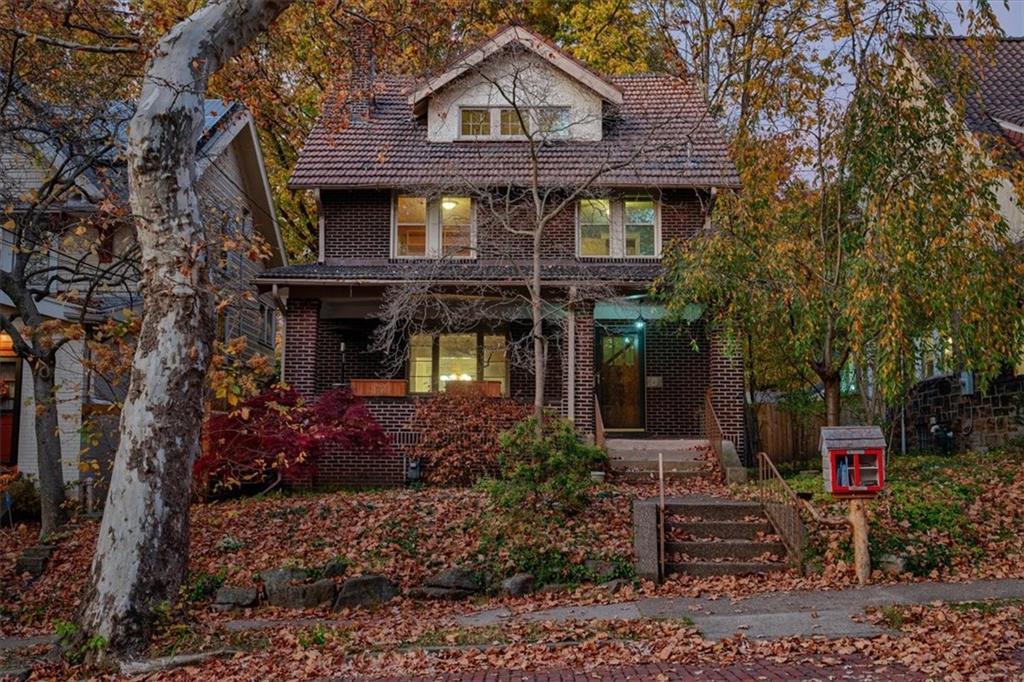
(475, 271)
(997, 80)
(661, 136)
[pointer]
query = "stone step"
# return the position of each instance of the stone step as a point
(647, 465)
(715, 510)
(742, 550)
(726, 530)
(713, 568)
(635, 476)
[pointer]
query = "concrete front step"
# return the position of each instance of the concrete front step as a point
(646, 465)
(715, 510)
(635, 476)
(725, 530)
(713, 568)
(740, 550)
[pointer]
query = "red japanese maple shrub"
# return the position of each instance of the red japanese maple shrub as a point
(279, 434)
(460, 435)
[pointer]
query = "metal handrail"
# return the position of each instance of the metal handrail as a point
(768, 475)
(598, 423)
(712, 427)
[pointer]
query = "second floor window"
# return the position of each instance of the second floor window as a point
(440, 228)
(618, 228)
(475, 122)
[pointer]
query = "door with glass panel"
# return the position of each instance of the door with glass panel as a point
(620, 375)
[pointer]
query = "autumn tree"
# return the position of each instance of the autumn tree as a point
(868, 220)
(142, 549)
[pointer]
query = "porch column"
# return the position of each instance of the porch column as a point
(580, 366)
(725, 379)
(301, 329)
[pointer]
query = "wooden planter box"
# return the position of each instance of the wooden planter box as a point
(379, 388)
(489, 389)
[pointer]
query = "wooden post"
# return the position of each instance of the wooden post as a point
(859, 524)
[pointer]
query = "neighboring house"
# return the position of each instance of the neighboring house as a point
(946, 398)
(391, 174)
(234, 196)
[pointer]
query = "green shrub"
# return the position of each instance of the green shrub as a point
(203, 586)
(24, 498)
(549, 473)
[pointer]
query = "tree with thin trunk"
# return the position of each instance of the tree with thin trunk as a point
(142, 549)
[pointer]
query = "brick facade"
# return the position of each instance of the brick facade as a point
(302, 322)
(725, 376)
(982, 420)
(678, 355)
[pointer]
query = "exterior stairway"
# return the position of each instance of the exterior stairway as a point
(637, 459)
(706, 536)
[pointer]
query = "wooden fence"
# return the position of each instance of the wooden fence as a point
(786, 437)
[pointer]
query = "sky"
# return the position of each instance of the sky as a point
(1011, 15)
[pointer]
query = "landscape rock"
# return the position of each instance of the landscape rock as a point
(440, 593)
(518, 585)
(365, 590)
(335, 568)
(613, 586)
(892, 564)
(34, 559)
(602, 570)
(282, 590)
(457, 578)
(236, 597)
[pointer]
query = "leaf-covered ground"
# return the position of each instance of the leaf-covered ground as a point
(954, 518)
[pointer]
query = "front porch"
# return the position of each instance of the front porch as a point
(616, 369)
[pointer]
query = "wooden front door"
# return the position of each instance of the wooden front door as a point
(620, 377)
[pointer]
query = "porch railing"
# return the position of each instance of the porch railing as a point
(598, 424)
(712, 427)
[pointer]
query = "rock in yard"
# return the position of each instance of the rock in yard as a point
(443, 593)
(365, 590)
(602, 570)
(518, 585)
(455, 579)
(281, 590)
(34, 559)
(892, 564)
(613, 586)
(236, 597)
(335, 568)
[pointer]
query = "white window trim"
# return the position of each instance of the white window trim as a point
(434, 231)
(494, 115)
(617, 230)
(491, 116)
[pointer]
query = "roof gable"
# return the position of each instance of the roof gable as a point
(498, 43)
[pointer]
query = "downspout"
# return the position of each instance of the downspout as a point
(571, 378)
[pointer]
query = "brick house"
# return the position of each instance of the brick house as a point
(405, 173)
(945, 396)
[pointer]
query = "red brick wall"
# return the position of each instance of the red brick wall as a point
(679, 355)
(302, 321)
(373, 467)
(357, 225)
(726, 379)
(584, 360)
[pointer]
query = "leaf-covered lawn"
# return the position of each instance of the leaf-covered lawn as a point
(956, 516)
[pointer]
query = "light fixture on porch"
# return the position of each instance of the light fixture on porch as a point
(449, 204)
(639, 324)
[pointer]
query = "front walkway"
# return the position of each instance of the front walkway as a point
(773, 615)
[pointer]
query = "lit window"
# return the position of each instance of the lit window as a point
(595, 227)
(640, 227)
(456, 227)
(475, 122)
(411, 227)
(512, 122)
(439, 361)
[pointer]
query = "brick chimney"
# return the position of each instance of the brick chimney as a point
(362, 50)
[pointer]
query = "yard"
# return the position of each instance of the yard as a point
(953, 518)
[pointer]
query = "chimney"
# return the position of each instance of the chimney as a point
(362, 50)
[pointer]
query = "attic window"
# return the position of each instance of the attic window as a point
(475, 122)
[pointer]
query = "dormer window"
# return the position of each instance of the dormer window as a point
(433, 228)
(475, 122)
(512, 122)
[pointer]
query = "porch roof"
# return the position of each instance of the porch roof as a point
(449, 272)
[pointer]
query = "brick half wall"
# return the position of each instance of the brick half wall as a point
(725, 376)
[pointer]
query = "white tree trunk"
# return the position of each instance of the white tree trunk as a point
(142, 550)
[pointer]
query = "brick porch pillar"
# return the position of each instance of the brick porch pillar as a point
(301, 328)
(583, 377)
(725, 378)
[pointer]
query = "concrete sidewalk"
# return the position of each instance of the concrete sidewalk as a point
(771, 615)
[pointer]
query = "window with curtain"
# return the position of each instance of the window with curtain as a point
(411, 227)
(456, 227)
(595, 227)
